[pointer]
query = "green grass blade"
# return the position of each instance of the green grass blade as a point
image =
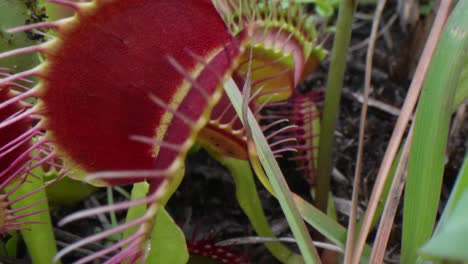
(456, 200)
(426, 161)
(460, 187)
(450, 242)
(333, 231)
(276, 178)
(462, 91)
(332, 99)
(247, 196)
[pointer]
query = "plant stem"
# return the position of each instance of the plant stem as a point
(249, 201)
(332, 99)
(39, 237)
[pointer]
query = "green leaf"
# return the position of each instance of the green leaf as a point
(249, 201)
(333, 231)
(426, 161)
(67, 191)
(37, 236)
(331, 104)
(12, 245)
(167, 241)
(324, 9)
(458, 190)
(462, 91)
(450, 242)
(426, 9)
(139, 191)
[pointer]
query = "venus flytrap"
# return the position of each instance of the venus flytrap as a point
(20, 156)
(23, 201)
(285, 48)
(302, 111)
(122, 95)
(122, 92)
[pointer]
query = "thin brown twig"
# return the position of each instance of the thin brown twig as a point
(374, 103)
(367, 41)
(402, 122)
(391, 205)
(349, 253)
(250, 240)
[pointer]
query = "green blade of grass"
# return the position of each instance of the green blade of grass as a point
(313, 216)
(332, 99)
(450, 242)
(249, 201)
(333, 231)
(275, 177)
(462, 91)
(460, 187)
(426, 161)
(436, 246)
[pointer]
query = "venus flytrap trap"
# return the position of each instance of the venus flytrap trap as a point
(302, 111)
(20, 155)
(125, 93)
(126, 86)
(285, 48)
(284, 41)
(23, 154)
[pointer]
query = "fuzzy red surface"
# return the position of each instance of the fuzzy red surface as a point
(97, 85)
